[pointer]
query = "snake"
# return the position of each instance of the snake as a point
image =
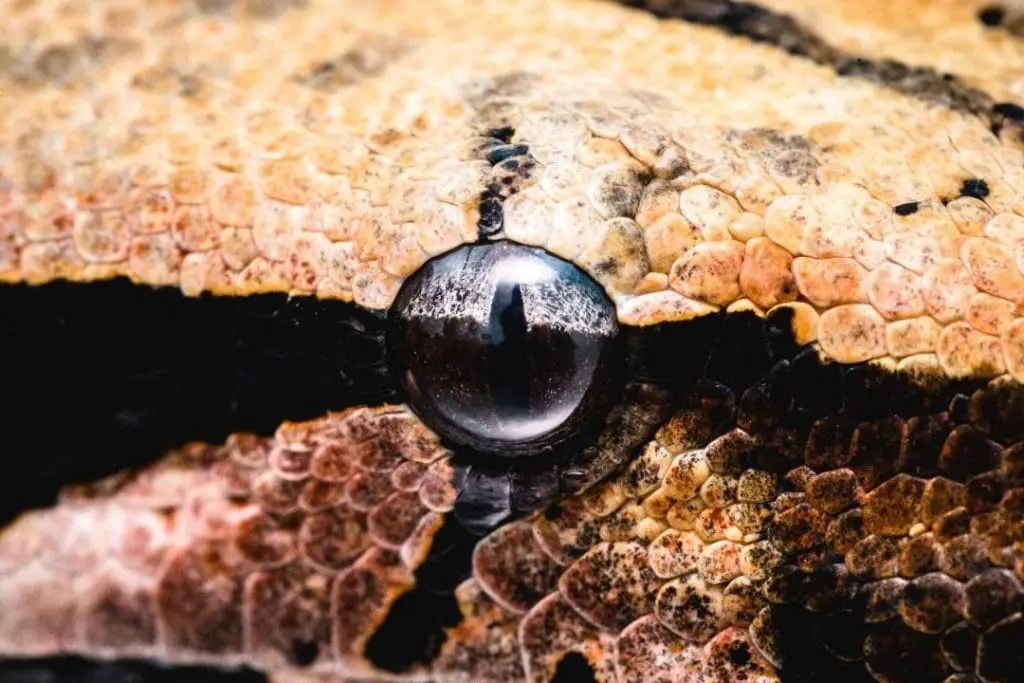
(512, 340)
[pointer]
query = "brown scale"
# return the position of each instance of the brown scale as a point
(730, 553)
(927, 551)
(237, 553)
(911, 550)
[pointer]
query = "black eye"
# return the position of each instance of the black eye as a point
(504, 348)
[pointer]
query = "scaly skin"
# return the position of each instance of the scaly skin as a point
(330, 149)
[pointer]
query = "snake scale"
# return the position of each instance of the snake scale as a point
(802, 215)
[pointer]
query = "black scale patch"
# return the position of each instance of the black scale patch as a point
(513, 168)
(110, 375)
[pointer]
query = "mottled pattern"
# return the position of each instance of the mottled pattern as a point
(346, 164)
(279, 552)
(871, 206)
(276, 552)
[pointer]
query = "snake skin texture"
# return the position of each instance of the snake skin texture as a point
(809, 216)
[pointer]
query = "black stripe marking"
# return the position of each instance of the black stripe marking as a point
(783, 31)
(992, 15)
(109, 375)
(80, 670)
(414, 629)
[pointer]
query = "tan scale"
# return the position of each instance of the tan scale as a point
(210, 181)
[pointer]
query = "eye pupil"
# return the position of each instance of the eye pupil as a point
(504, 348)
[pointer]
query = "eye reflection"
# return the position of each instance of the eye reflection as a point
(504, 348)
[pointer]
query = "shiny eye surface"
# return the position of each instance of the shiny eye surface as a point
(504, 348)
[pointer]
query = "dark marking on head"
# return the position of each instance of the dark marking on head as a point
(1004, 113)
(1007, 17)
(907, 209)
(744, 19)
(992, 15)
(974, 187)
(501, 153)
(65, 65)
(782, 154)
(365, 59)
(763, 25)
(492, 216)
(110, 375)
(503, 134)
(498, 88)
(270, 9)
(512, 172)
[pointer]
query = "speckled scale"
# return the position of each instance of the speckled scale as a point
(513, 569)
(485, 643)
(288, 613)
(551, 629)
(647, 651)
(611, 585)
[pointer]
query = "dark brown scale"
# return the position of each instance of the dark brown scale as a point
(511, 567)
(379, 455)
(763, 405)
(276, 494)
(332, 462)
(785, 585)
(366, 490)
(799, 528)
(707, 411)
(940, 496)
(918, 555)
(959, 646)
(828, 444)
(952, 524)
(931, 603)
(828, 587)
(319, 495)
(998, 410)
(1013, 464)
(985, 491)
(612, 585)
(333, 539)
(266, 541)
(964, 557)
(967, 453)
(923, 437)
(290, 464)
(845, 531)
(895, 652)
(833, 492)
(732, 453)
(392, 522)
(798, 477)
(874, 557)
(198, 598)
(892, 507)
(992, 596)
(882, 599)
(1000, 656)
(874, 448)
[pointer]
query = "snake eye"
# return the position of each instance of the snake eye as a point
(503, 348)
